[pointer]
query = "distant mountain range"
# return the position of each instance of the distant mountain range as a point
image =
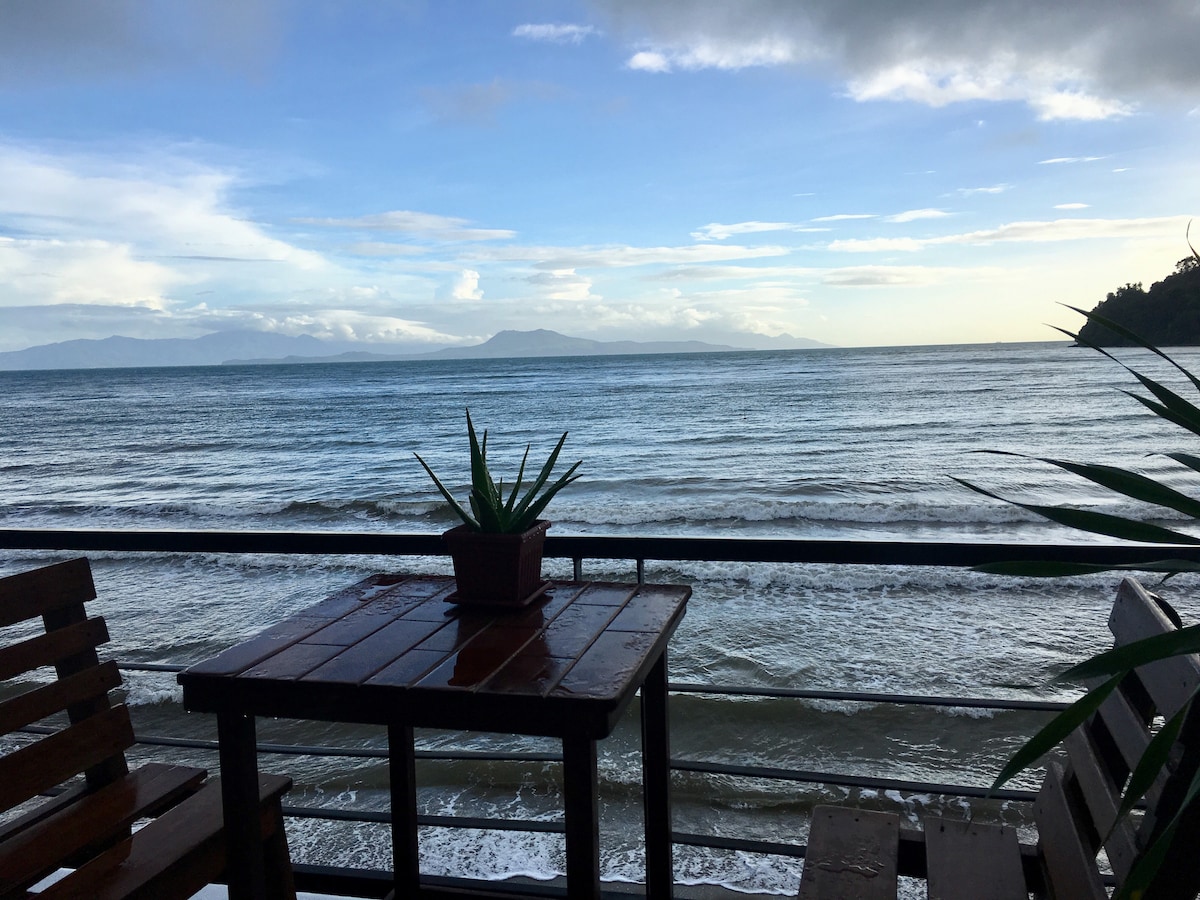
(265, 348)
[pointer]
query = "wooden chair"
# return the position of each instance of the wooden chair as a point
(86, 824)
(859, 853)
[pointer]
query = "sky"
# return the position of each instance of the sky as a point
(856, 172)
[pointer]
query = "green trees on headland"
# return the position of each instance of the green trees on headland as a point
(1167, 315)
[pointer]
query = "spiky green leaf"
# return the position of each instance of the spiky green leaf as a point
(467, 518)
(1096, 522)
(1136, 338)
(1052, 569)
(491, 510)
(1056, 730)
(1185, 459)
(1138, 653)
(1131, 484)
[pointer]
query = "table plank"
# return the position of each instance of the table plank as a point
(607, 666)
(374, 653)
(599, 593)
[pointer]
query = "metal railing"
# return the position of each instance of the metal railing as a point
(578, 549)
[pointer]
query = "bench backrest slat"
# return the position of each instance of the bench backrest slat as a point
(52, 649)
(1065, 852)
(1102, 798)
(45, 591)
(45, 701)
(48, 762)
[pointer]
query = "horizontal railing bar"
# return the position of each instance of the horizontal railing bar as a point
(615, 547)
(150, 667)
(748, 845)
(870, 697)
(859, 781)
(781, 693)
(380, 817)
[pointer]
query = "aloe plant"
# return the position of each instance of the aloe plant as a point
(490, 511)
(1114, 665)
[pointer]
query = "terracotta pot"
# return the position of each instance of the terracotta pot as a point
(497, 569)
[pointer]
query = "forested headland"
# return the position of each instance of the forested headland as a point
(1167, 315)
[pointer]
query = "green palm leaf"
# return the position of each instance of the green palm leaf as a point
(1056, 730)
(1138, 653)
(1131, 484)
(1136, 338)
(1051, 569)
(1186, 459)
(1096, 522)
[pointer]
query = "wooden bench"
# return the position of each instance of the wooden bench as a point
(69, 796)
(856, 853)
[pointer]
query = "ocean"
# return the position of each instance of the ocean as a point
(831, 444)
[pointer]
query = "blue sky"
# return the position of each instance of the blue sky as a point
(393, 173)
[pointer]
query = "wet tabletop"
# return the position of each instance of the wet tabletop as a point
(390, 649)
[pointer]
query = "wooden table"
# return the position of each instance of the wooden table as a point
(391, 651)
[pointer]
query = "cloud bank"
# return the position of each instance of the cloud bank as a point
(1072, 59)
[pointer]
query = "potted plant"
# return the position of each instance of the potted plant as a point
(497, 551)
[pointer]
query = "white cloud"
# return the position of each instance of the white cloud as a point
(877, 245)
(130, 232)
(715, 231)
(36, 272)
(563, 284)
(339, 324)
(713, 54)
(843, 217)
(161, 205)
(732, 273)
(1077, 105)
(1074, 59)
(1071, 205)
(418, 224)
(913, 215)
(942, 84)
(647, 61)
(554, 34)
(1030, 232)
(1066, 160)
(882, 276)
(993, 189)
(624, 256)
(466, 286)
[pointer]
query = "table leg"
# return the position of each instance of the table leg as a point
(406, 863)
(656, 782)
(239, 797)
(582, 813)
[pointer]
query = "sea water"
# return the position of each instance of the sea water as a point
(830, 444)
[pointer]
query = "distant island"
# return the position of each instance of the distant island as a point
(265, 348)
(1167, 315)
